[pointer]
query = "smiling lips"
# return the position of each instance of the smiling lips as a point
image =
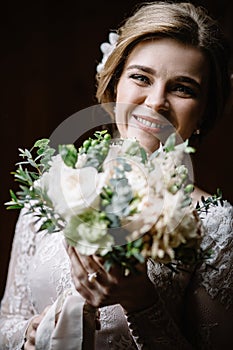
(149, 124)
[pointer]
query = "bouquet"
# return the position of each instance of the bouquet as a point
(109, 197)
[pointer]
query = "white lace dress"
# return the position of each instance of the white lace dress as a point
(39, 272)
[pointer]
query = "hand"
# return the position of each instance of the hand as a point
(134, 292)
(31, 331)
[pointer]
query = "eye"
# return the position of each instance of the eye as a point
(184, 90)
(141, 79)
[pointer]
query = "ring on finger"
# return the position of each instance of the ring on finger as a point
(91, 276)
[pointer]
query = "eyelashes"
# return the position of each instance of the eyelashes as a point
(184, 90)
(179, 89)
(140, 78)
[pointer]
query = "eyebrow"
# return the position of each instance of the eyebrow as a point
(143, 68)
(181, 79)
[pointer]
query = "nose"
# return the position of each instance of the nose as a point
(156, 98)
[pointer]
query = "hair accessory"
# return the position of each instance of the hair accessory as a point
(107, 48)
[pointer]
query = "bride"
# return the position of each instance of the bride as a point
(167, 61)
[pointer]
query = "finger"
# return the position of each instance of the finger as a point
(36, 320)
(82, 288)
(91, 292)
(77, 268)
(83, 266)
(75, 259)
(79, 273)
(28, 346)
(87, 262)
(94, 266)
(32, 337)
(33, 325)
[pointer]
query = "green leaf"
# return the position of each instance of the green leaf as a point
(13, 206)
(32, 163)
(100, 134)
(21, 150)
(214, 200)
(13, 195)
(138, 243)
(69, 154)
(139, 257)
(43, 143)
(170, 143)
(108, 264)
(219, 192)
(190, 149)
(143, 155)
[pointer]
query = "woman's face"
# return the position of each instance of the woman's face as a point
(164, 84)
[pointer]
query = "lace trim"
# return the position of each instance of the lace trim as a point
(109, 336)
(217, 273)
(17, 306)
(10, 328)
(16, 299)
(153, 328)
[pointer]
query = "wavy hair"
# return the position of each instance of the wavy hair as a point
(186, 23)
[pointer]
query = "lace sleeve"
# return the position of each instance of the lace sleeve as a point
(154, 328)
(160, 326)
(217, 274)
(210, 297)
(16, 308)
(207, 317)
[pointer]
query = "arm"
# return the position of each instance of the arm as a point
(160, 326)
(152, 325)
(208, 302)
(209, 323)
(210, 296)
(160, 316)
(154, 328)
(16, 309)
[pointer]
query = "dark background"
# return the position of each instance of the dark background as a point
(49, 52)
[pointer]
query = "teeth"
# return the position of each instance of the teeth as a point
(149, 124)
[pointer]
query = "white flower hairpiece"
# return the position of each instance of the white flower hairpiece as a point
(107, 48)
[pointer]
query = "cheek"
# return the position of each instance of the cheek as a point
(120, 91)
(188, 116)
(121, 113)
(124, 101)
(127, 92)
(189, 113)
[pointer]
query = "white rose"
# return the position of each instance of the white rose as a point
(88, 232)
(72, 191)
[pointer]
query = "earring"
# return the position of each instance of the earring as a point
(197, 132)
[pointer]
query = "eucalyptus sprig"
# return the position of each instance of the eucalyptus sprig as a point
(29, 170)
(126, 256)
(210, 201)
(171, 143)
(42, 187)
(96, 149)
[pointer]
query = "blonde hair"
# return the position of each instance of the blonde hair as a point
(183, 22)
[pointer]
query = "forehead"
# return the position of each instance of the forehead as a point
(170, 55)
